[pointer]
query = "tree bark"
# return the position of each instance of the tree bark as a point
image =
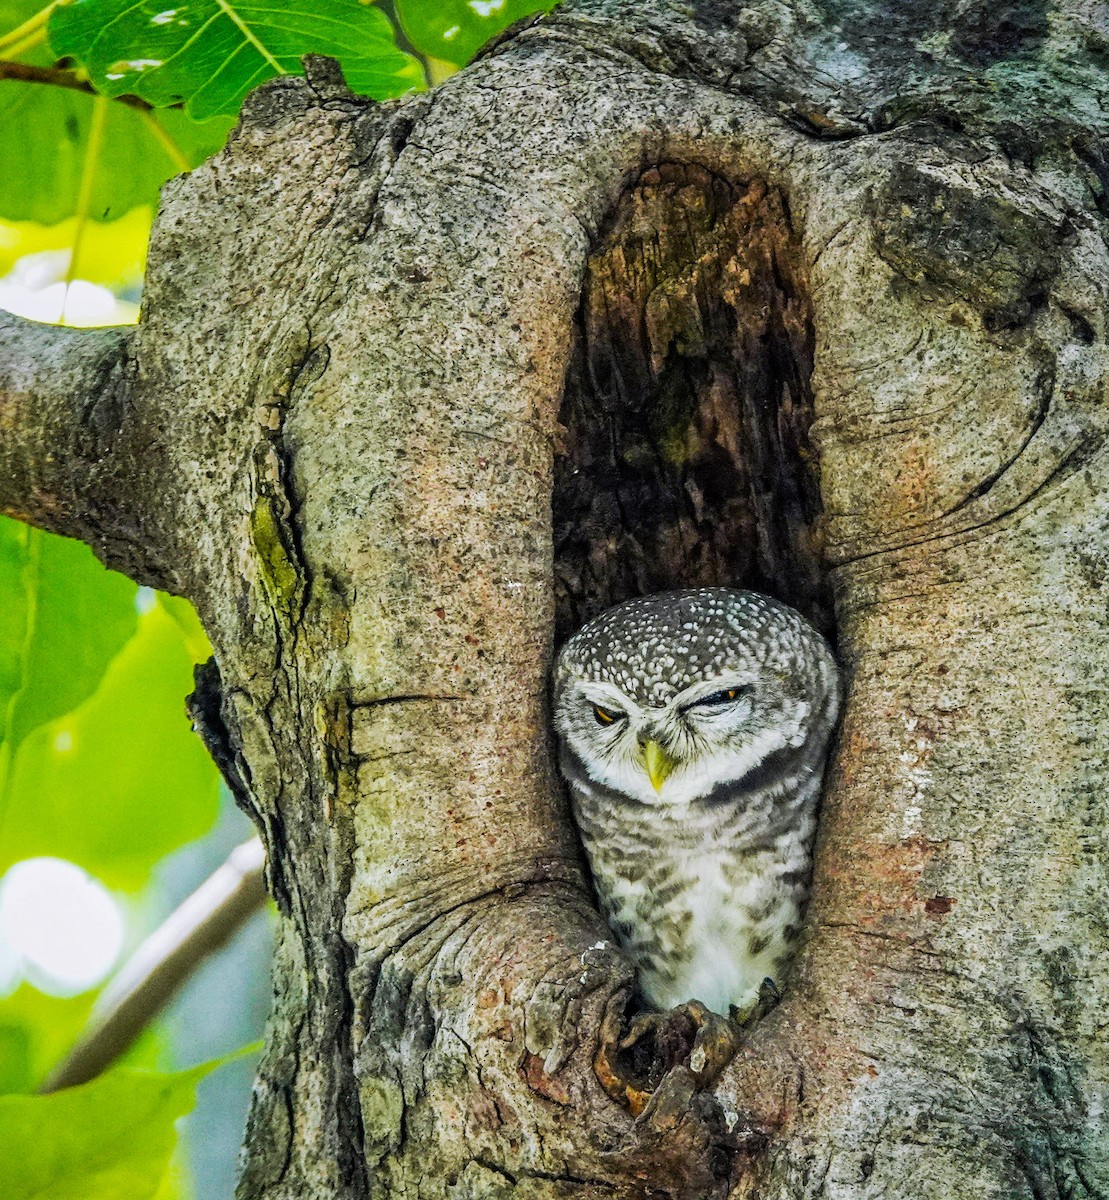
(759, 296)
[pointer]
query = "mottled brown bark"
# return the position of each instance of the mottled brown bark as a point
(852, 271)
(685, 459)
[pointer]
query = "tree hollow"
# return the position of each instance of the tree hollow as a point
(684, 456)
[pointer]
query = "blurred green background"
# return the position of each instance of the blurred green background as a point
(111, 812)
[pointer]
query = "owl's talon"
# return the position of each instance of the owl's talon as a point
(749, 1014)
(714, 1044)
(643, 1024)
(633, 1068)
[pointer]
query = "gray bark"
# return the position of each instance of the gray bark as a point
(854, 263)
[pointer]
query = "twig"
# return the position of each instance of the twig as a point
(63, 77)
(203, 923)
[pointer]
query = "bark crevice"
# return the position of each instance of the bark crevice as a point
(684, 458)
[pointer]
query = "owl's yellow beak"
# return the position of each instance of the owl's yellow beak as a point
(659, 764)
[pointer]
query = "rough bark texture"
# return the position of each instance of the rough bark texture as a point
(67, 459)
(814, 297)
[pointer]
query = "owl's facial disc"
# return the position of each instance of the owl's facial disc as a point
(662, 754)
(665, 700)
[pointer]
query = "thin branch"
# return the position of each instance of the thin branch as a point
(203, 923)
(63, 77)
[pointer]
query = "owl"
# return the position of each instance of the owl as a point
(693, 729)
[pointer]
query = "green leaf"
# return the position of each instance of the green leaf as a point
(122, 780)
(176, 1183)
(36, 1030)
(110, 1139)
(23, 30)
(210, 53)
(455, 30)
(43, 140)
(183, 615)
(44, 137)
(63, 619)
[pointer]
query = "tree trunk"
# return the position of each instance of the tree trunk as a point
(760, 296)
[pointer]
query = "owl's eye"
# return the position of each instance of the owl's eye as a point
(606, 716)
(716, 699)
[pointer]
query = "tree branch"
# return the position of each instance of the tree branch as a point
(76, 457)
(64, 78)
(198, 927)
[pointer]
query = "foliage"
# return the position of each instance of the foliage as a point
(190, 63)
(62, 624)
(124, 154)
(454, 30)
(70, 153)
(119, 781)
(97, 761)
(98, 764)
(113, 253)
(35, 1031)
(110, 1139)
(207, 54)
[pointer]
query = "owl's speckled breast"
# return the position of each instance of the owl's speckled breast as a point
(693, 730)
(706, 901)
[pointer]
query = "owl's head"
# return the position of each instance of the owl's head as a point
(666, 697)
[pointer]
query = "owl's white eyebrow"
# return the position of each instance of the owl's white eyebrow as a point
(605, 694)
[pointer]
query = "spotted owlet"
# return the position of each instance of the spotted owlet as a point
(694, 727)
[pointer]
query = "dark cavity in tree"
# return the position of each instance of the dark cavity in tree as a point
(685, 458)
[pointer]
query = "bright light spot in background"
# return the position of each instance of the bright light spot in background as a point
(63, 741)
(36, 259)
(36, 288)
(11, 968)
(63, 924)
(145, 601)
